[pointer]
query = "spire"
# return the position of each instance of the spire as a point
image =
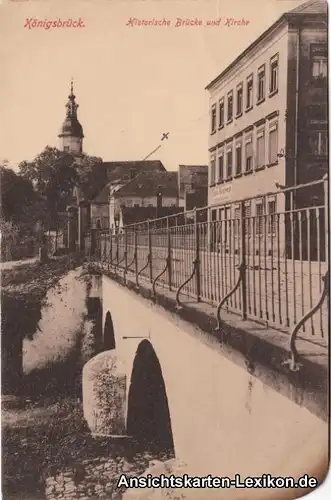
(71, 104)
(71, 132)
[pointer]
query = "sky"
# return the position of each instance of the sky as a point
(131, 83)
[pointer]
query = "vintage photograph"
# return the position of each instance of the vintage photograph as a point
(164, 179)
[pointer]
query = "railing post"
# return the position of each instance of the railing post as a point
(169, 254)
(111, 248)
(125, 249)
(197, 255)
(243, 260)
(117, 248)
(326, 215)
(150, 251)
(136, 253)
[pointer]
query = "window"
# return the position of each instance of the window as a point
(238, 159)
(319, 55)
(221, 113)
(66, 149)
(229, 164)
(259, 218)
(213, 118)
(320, 68)
(249, 92)
(230, 106)
(249, 155)
(239, 99)
(273, 74)
(260, 150)
(136, 205)
(272, 217)
(212, 172)
(221, 168)
(261, 83)
(318, 143)
(273, 144)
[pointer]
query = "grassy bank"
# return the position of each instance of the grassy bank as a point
(48, 428)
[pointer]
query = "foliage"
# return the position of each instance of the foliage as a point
(54, 175)
(18, 198)
(9, 238)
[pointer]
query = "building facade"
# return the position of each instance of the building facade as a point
(269, 116)
(155, 191)
(192, 186)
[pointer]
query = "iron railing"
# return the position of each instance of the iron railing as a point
(263, 258)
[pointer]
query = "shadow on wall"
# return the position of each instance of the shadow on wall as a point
(108, 334)
(148, 420)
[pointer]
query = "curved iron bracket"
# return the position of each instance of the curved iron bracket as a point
(241, 269)
(293, 361)
(133, 260)
(145, 266)
(120, 261)
(179, 304)
(114, 262)
(159, 275)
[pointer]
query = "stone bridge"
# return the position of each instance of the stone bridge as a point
(224, 403)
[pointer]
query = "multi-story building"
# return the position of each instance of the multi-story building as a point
(193, 186)
(269, 115)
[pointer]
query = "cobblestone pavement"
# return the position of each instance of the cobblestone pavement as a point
(95, 478)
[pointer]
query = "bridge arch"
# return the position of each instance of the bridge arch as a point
(108, 334)
(148, 415)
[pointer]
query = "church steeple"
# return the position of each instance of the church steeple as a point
(71, 134)
(71, 104)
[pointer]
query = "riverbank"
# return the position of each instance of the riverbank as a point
(47, 447)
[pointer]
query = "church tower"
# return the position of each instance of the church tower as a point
(71, 135)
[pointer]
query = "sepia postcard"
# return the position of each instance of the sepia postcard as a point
(164, 169)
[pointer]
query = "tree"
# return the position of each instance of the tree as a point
(17, 197)
(54, 174)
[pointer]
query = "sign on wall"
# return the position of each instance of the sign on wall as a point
(219, 194)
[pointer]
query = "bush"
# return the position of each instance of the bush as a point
(9, 239)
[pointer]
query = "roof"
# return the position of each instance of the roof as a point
(103, 197)
(132, 215)
(198, 167)
(121, 172)
(148, 184)
(71, 127)
(129, 169)
(310, 7)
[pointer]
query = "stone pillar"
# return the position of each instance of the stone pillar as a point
(104, 395)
